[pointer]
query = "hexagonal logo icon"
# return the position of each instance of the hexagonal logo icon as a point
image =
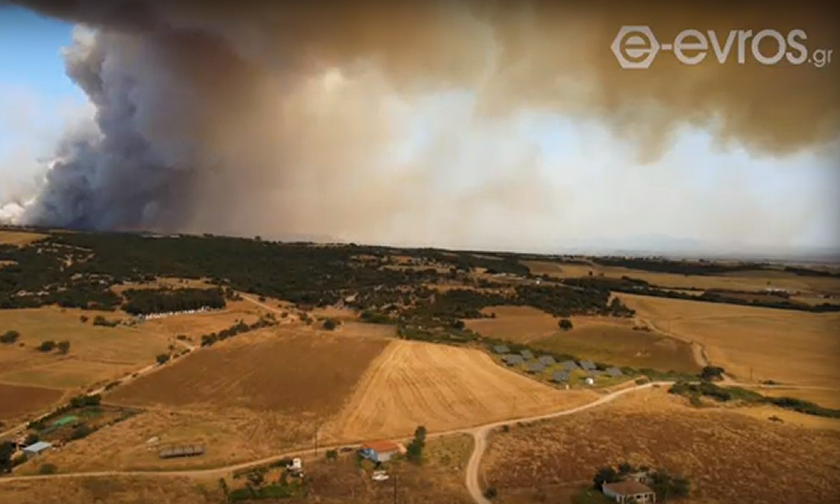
(635, 47)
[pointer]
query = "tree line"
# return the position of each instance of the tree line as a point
(149, 301)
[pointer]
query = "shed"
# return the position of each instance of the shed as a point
(588, 365)
(560, 377)
(36, 448)
(535, 367)
(526, 354)
(569, 365)
(512, 359)
(547, 360)
(629, 491)
(379, 451)
(501, 349)
(614, 372)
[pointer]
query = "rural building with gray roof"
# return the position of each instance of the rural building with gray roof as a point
(548, 360)
(587, 365)
(36, 448)
(614, 372)
(560, 377)
(181, 451)
(526, 354)
(535, 367)
(501, 349)
(512, 359)
(569, 365)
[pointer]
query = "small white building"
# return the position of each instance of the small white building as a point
(36, 448)
(629, 491)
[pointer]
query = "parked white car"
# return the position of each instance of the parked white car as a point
(379, 476)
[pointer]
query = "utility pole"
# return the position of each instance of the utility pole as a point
(317, 430)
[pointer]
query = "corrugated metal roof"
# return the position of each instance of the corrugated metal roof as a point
(37, 447)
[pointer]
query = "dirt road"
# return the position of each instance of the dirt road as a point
(480, 435)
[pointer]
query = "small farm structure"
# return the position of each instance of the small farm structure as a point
(629, 491)
(181, 451)
(501, 349)
(560, 377)
(36, 448)
(379, 451)
(547, 360)
(588, 365)
(526, 354)
(569, 365)
(535, 367)
(512, 359)
(614, 372)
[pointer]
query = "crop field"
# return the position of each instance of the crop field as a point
(442, 388)
(67, 373)
(113, 490)
(728, 457)
(742, 280)
(198, 324)
(19, 238)
(121, 344)
(614, 341)
(786, 346)
(17, 401)
(273, 369)
(519, 324)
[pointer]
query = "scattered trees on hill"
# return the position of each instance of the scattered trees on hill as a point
(9, 337)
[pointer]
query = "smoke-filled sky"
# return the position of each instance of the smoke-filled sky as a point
(474, 123)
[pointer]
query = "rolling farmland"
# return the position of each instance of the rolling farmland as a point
(443, 388)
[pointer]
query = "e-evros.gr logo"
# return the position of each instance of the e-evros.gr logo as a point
(635, 47)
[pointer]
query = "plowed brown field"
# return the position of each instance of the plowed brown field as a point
(275, 369)
(17, 400)
(442, 388)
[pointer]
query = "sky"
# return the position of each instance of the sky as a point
(591, 184)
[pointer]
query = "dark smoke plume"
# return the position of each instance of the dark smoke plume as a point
(217, 116)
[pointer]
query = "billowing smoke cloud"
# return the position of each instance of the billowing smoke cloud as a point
(273, 118)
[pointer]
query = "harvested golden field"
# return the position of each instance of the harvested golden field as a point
(197, 324)
(363, 329)
(790, 347)
(442, 388)
(113, 490)
(19, 238)
(17, 401)
(273, 369)
(519, 324)
(728, 457)
(614, 341)
(68, 373)
(742, 280)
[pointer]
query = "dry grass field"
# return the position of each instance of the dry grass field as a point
(729, 457)
(198, 324)
(442, 388)
(519, 324)
(272, 369)
(17, 401)
(96, 353)
(113, 490)
(828, 398)
(19, 238)
(742, 280)
(790, 347)
(614, 341)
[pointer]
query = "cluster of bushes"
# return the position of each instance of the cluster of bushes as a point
(148, 301)
(257, 488)
(238, 328)
(101, 321)
(47, 346)
(725, 394)
(78, 402)
(687, 268)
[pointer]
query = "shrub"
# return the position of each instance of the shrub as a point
(83, 319)
(491, 493)
(332, 454)
(46, 346)
(47, 469)
(9, 337)
(565, 324)
(63, 347)
(162, 358)
(330, 324)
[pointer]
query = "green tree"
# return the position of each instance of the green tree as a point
(712, 373)
(330, 324)
(46, 346)
(414, 449)
(63, 347)
(31, 439)
(604, 475)
(162, 358)
(332, 454)
(9, 337)
(83, 319)
(565, 324)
